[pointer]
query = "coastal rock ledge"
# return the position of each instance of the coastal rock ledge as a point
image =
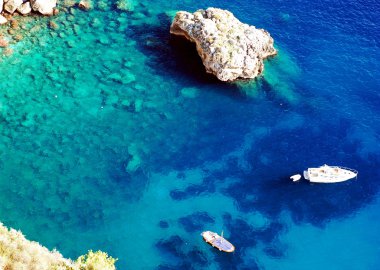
(229, 49)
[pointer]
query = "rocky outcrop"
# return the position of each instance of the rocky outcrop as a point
(84, 5)
(3, 20)
(11, 5)
(229, 49)
(45, 7)
(25, 8)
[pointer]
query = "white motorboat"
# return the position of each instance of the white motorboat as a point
(329, 174)
(218, 241)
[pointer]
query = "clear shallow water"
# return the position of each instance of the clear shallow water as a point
(113, 138)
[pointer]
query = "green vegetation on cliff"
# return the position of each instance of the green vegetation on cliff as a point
(16, 252)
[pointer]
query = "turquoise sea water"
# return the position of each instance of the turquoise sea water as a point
(114, 138)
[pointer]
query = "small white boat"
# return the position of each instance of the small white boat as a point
(295, 177)
(329, 174)
(218, 241)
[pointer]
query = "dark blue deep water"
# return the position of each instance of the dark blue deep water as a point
(114, 138)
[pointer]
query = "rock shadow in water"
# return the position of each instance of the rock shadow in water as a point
(196, 222)
(207, 186)
(181, 254)
(175, 57)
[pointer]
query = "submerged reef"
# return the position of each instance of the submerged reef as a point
(229, 49)
(16, 252)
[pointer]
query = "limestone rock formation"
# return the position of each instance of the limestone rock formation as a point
(3, 20)
(84, 5)
(229, 49)
(11, 5)
(25, 8)
(45, 7)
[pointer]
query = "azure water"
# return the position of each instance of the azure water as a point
(114, 138)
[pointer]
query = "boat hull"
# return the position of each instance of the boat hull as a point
(329, 174)
(217, 241)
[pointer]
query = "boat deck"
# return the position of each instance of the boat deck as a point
(329, 174)
(218, 241)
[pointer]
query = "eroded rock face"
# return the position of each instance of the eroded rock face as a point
(84, 5)
(229, 49)
(45, 7)
(11, 5)
(3, 20)
(25, 8)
